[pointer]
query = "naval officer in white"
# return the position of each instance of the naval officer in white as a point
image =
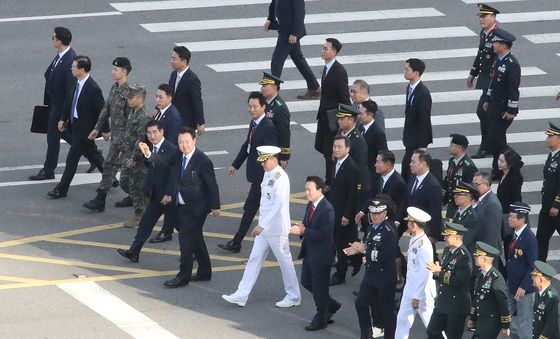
(420, 289)
(271, 233)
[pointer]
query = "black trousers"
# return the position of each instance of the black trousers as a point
(316, 279)
(281, 52)
(53, 141)
(497, 129)
(343, 235)
(452, 324)
(250, 209)
(378, 296)
(545, 229)
(405, 167)
(149, 219)
(483, 118)
(81, 145)
(191, 242)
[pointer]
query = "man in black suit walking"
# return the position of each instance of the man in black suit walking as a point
(359, 93)
(317, 251)
(157, 187)
(187, 95)
(334, 91)
(196, 196)
(81, 113)
(261, 132)
(167, 114)
(417, 132)
(287, 16)
(375, 139)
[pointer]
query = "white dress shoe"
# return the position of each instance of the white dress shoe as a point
(286, 302)
(234, 300)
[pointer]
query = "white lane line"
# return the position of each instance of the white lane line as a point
(79, 179)
(176, 26)
(182, 4)
(61, 16)
(346, 38)
(386, 79)
(489, 1)
(124, 316)
(528, 16)
(544, 38)
(437, 97)
(351, 59)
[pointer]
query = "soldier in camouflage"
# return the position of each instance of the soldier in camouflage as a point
(133, 168)
(116, 108)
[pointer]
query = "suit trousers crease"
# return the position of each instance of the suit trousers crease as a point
(191, 242)
(281, 51)
(53, 141)
(545, 229)
(151, 215)
(250, 209)
(483, 118)
(315, 279)
(406, 315)
(373, 291)
(452, 324)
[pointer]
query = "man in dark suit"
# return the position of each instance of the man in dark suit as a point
(417, 132)
(317, 251)
(343, 195)
(423, 191)
(167, 114)
(196, 196)
(157, 187)
(334, 91)
(185, 85)
(81, 113)
(261, 132)
(375, 139)
(359, 93)
(59, 82)
(489, 210)
(287, 16)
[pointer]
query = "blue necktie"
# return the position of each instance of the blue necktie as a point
(183, 166)
(75, 101)
(55, 61)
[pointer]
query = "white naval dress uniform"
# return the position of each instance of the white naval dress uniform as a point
(274, 218)
(419, 285)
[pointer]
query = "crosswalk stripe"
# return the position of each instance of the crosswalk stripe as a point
(488, 1)
(544, 38)
(182, 4)
(351, 59)
(528, 16)
(309, 19)
(345, 38)
(60, 16)
(437, 97)
(387, 79)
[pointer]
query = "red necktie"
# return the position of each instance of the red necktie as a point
(311, 212)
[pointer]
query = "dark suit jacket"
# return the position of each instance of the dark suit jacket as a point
(520, 261)
(490, 211)
(59, 82)
(376, 141)
(509, 190)
(171, 123)
(334, 91)
(396, 189)
(417, 131)
(290, 14)
(156, 182)
(188, 98)
(318, 246)
(198, 186)
(89, 105)
(427, 197)
(264, 135)
(343, 193)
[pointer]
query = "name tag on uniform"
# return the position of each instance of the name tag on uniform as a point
(502, 69)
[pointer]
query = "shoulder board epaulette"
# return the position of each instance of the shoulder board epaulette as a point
(462, 252)
(494, 274)
(387, 228)
(278, 175)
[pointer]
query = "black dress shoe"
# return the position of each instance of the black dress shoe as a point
(333, 308)
(313, 326)
(42, 175)
(480, 154)
(355, 270)
(129, 255)
(115, 183)
(125, 202)
(91, 168)
(310, 94)
(336, 280)
(56, 194)
(355, 293)
(176, 282)
(197, 277)
(161, 237)
(230, 246)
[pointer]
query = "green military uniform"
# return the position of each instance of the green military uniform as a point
(452, 304)
(489, 309)
(277, 110)
(545, 308)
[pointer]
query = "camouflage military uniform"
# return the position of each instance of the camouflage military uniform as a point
(116, 108)
(133, 168)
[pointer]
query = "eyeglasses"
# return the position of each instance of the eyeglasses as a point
(53, 37)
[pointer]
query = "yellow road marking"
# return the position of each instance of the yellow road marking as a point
(299, 201)
(19, 279)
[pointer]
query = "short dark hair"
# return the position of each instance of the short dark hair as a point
(83, 62)
(64, 35)
(257, 95)
(370, 106)
(167, 89)
(183, 53)
(153, 123)
(485, 176)
(319, 183)
(342, 137)
(416, 65)
(335, 43)
(362, 84)
(387, 156)
(186, 129)
(423, 156)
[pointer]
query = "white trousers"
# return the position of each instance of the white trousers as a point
(405, 318)
(280, 246)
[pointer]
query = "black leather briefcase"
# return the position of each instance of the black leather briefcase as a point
(40, 119)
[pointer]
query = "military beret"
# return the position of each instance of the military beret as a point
(453, 229)
(122, 62)
(136, 89)
(484, 9)
(459, 139)
(520, 208)
(544, 269)
(553, 129)
(464, 187)
(417, 215)
(269, 79)
(375, 206)
(485, 250)
(346, 111)
(267, 152)
(503, 35)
